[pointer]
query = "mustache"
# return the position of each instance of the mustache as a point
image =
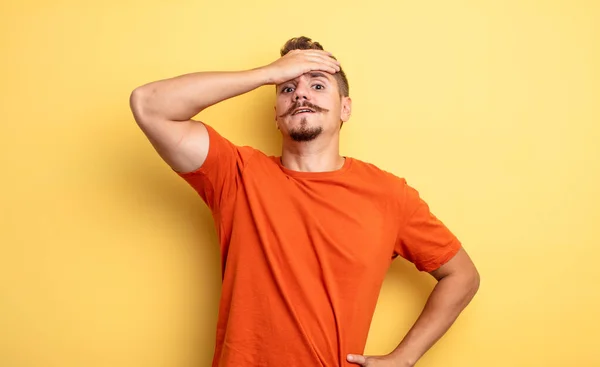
(305, 104)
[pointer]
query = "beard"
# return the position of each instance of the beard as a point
(305, 133)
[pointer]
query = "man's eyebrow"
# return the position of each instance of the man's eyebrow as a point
(316, 74)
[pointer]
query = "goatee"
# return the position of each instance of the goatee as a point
(305, 133)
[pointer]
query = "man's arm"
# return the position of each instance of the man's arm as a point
(458, 281)
(164, 109)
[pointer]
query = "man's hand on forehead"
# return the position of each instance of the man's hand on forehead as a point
(299, 62)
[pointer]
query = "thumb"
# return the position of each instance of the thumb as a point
(357, 359)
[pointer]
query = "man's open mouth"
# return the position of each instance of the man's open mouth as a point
(302, 110)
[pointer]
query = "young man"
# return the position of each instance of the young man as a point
(306, 238)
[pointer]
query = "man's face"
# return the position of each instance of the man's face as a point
(309, 106)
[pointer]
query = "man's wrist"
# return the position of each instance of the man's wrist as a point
(264, 75)
(401, 359)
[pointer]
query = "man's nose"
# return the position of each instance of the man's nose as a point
(301, 92)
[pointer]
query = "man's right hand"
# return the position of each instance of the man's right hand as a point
(298, 62)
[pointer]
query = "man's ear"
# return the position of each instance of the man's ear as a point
(275, 117)
(346, 109)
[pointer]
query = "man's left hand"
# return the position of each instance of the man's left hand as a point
(374, 361)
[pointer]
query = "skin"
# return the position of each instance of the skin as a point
(164, 111)
(311, 140)
(458, 282)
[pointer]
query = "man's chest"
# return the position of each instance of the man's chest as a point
(342, 224)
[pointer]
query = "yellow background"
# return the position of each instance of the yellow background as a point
(490, 109)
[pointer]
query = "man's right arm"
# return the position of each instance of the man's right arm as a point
(164, 109)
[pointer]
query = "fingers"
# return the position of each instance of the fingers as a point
(326, 64)
(324, 55)
(322, 59)
(313, 52)
(327, 59)
(315, 66)
(318, 66)
(357, 359)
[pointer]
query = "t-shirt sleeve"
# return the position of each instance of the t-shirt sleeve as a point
(217, 179)
(422, 238)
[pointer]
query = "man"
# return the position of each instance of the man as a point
(305, 238)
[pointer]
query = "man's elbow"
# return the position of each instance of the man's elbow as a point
(473, 280)
(137, 102)
(143, 104)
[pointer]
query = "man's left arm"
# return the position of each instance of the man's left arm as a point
(425, 241)
(458, 281)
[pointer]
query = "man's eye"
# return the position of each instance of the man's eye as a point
(318, 86)
(287, 90)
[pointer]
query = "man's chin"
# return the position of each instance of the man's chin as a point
(305, 134)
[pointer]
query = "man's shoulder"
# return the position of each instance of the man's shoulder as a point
(375, 172)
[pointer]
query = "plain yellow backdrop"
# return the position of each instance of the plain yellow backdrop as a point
(491, 109)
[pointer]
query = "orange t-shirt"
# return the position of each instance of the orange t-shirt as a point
(304, 254)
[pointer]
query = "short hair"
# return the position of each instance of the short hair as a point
(305, 43)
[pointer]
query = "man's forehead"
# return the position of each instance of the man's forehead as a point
(313, 75)
(317, 74)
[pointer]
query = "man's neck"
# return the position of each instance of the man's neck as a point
(312, 156)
